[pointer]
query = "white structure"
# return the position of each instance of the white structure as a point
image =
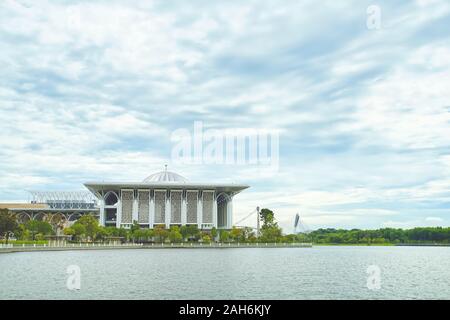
(165, 198)
(62, 207)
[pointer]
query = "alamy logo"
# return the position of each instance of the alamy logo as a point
(374, 278)
(373, 21)
(231, 146)
(73, 18)
(74, 280)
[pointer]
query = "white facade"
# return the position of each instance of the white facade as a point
(166, 199)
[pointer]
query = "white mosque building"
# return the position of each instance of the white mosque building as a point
(165, 198)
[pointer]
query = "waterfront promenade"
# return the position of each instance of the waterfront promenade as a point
(103, 246)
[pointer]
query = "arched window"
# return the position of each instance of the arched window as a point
(111, 199)
(222, 212)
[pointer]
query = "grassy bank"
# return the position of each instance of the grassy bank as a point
(387, 244)
(21, 242)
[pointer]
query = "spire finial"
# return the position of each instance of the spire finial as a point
(165, 167)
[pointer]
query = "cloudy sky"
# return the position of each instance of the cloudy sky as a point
(94, 91)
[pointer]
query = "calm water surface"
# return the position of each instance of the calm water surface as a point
(288, 273)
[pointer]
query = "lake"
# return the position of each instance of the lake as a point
(328, 272)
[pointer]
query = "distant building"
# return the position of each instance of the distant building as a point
(56, 207)
(164, 198)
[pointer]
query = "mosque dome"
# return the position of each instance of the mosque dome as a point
(165, 176)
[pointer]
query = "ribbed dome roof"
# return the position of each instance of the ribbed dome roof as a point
(165, 176)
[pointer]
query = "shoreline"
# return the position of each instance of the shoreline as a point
(77, 247)
(382, 244)
(70, 247)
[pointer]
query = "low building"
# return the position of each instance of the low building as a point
(60, 208)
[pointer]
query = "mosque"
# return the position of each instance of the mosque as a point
(164, 198)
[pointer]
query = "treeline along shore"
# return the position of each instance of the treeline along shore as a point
(384, 236)
(87, 230)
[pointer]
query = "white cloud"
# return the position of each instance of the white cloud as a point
(408, 224)
(93, 91)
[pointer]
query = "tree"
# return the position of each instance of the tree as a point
(206, 238)
(184, 230)
(379, 236)
(161, 233)
(102, 233)
(135, 226)
(214, 233)
(78, 230)
(36, 227)
(149, 234)
(289, 238)
(135, 231)
(69, 231)
(302, 237)
(143, 234)
(116, 232)
(90, 224)
(193, 232)
(8, 224)
(236, 233)
(270, 234)
(224, 235)
(267, 217)
(22, 233)
(248, 233)
(175, 235)
(270, 231)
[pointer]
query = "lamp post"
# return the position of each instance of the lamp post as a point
(257, 222)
